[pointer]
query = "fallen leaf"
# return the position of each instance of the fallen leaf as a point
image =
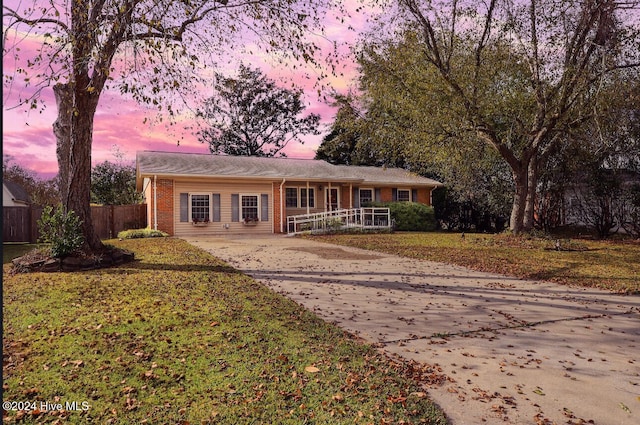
(311, 369)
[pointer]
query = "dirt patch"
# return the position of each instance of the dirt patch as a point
(337, 254)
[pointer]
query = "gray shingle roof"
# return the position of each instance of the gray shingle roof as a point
(189, 164)
(17, 191)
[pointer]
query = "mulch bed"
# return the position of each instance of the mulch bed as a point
(38, 261)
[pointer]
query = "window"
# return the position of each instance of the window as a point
(200, 207)
(291, 197)
(404, 195)
(366, 196)
(303, 198)
(250, 207)
(292, 200)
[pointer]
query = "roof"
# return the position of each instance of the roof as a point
(150, 163)
(17, 192)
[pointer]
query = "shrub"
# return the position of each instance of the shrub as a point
(61, 230)
(141, 233)
(410, 216)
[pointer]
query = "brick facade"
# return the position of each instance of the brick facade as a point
(165, 199)
(424, 196)
(277, 212)
(386, 194)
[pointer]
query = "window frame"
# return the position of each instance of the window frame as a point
(301, 200)
(287, 199)
(242, 207)
(370, 189)
(408, 191)
(312, 197)
(209, 207)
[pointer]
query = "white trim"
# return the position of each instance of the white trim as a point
(373, 194)
(155, 202)
(299, 196)
(259, 209)
(297, 189)
(282, 208)
(190, 205)
(404, 190)
(327, 200)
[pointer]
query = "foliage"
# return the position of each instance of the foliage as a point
(181, 337)
(598, 201)
(595, 164)
(61, 229)
(344, 144)
(155, 51)
(629, 213)
(454, 214)
(41, 192)
(251, 116)
(114, 184)
(608, 265)
(141, 233)
(511, 77)
(410, 216)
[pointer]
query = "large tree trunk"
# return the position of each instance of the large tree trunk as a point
(516, 223)
(528, 219)
(74, 136)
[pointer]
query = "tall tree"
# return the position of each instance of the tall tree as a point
(250, 115)
(411, 120)
(566, 48)
(344, 144)
(147, 49)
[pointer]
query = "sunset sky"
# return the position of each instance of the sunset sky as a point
(119, 122)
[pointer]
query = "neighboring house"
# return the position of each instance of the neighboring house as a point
(203, 194)
(14, 195)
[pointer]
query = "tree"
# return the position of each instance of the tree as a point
(343, 145)
(251, 116)
(564, 50)
(41, 192)
(409, 120)
(114, 184)
(145, 48)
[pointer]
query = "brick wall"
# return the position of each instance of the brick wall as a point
(277, 213)
(386, 194)
(345, 193)
(424, 196)
(165, 206)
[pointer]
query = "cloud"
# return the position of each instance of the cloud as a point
(121, 122)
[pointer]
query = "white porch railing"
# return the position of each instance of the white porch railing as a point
(322, 222)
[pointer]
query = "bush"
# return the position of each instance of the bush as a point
(61, 230)
(141, 233)
(410, 216)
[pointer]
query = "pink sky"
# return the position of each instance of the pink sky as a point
(119, 122)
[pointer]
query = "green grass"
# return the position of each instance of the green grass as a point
(610, 265)
(180, 337)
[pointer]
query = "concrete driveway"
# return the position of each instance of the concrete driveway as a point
(511, 351)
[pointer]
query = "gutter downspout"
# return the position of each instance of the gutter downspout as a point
(282, 212)
(155, 202)
(308, 209)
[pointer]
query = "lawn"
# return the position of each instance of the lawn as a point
(610, 265)
(179, 337)
(13, 250)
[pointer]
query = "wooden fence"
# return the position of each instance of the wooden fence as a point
(20, 224)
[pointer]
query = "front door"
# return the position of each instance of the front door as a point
(332, 198)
